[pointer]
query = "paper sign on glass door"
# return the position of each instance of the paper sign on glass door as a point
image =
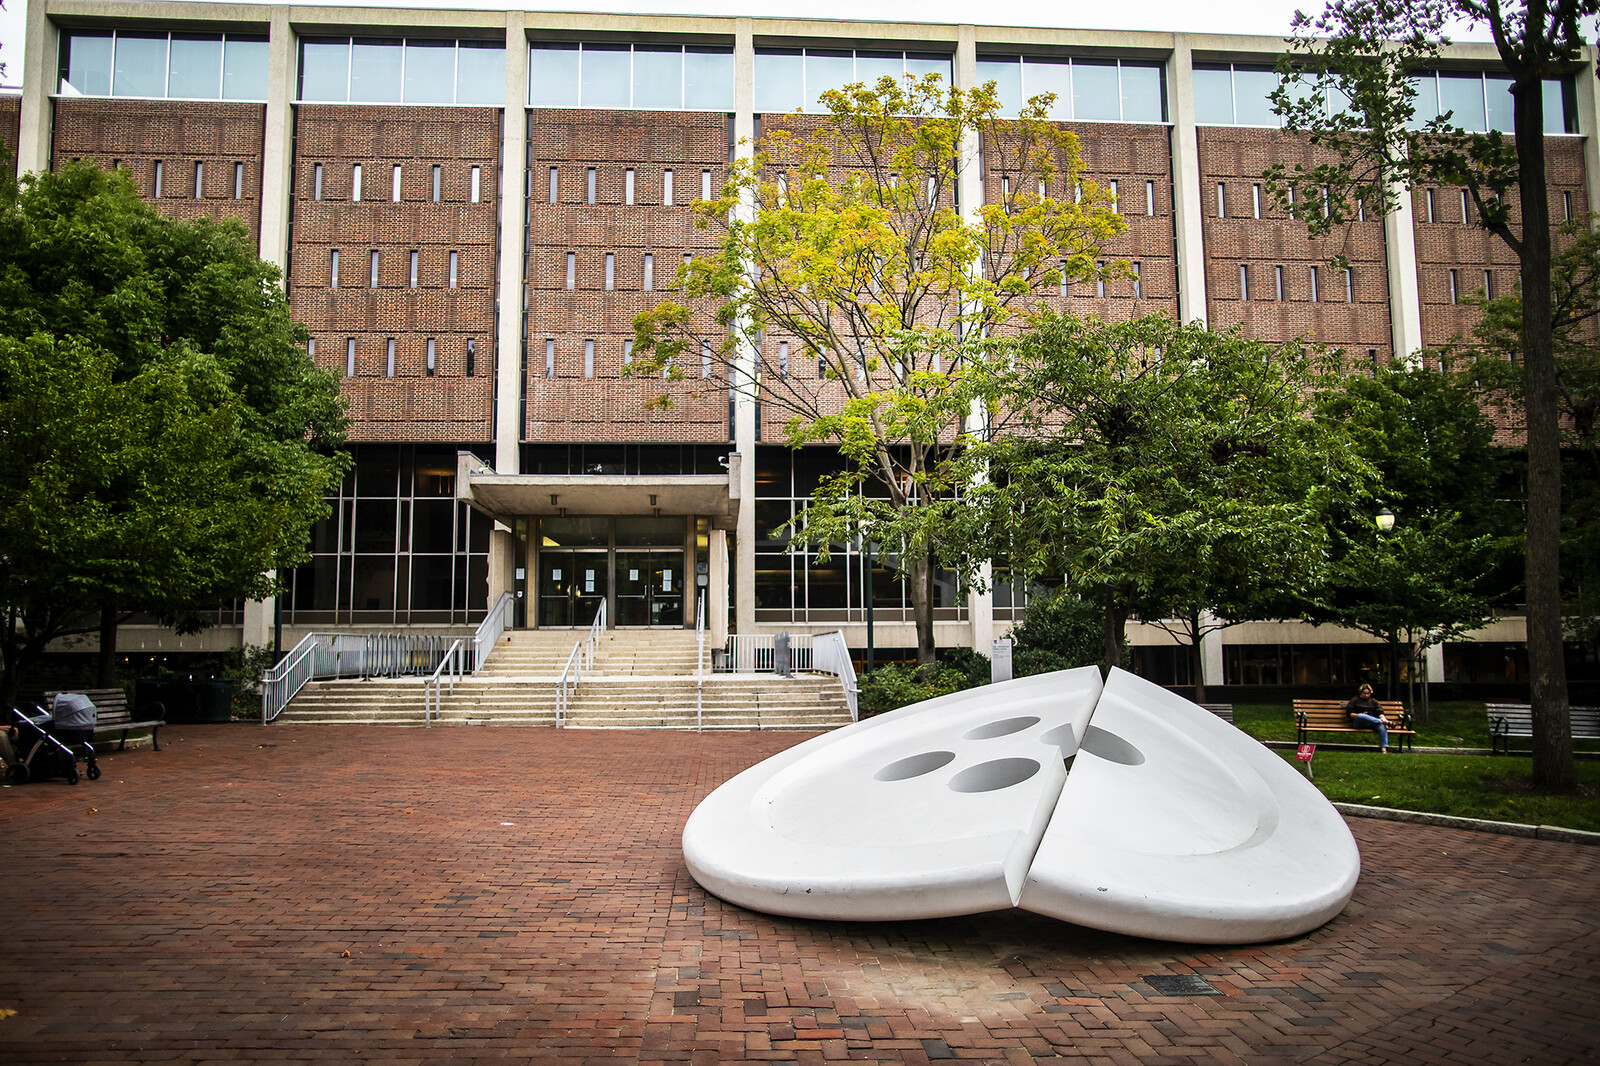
(588, 581)
(666, 581)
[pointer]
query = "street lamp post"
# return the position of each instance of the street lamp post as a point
(1384, 520)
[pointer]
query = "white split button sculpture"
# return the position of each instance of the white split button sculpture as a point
(1121, 807)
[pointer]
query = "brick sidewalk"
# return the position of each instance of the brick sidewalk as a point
(331, 894)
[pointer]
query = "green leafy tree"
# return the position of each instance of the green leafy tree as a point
(1433, 577)
(1349, 84)
(1158, 466)
(842, 235)
(167, 439)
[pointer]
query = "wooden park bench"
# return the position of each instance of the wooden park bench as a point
(1507, 720)
(112, 714)
(1329, 716)
(1223, 711)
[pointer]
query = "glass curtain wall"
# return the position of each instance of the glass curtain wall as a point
(395, 70)
(155, 65)
(792, 79)
(652, 77)
(1086, 90)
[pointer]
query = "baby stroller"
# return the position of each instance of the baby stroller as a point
(50, 743)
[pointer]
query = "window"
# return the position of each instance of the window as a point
(649, 76)
(1116, 207)
(199, 181)
(705, 185)
(157, 182)
(1455, 290)
(1349, 285)
(1222, 200)
(611, 270)
(475, 193)
(783, 359)
(555, 190)
(311, 348)
(388, 350)
(549, 358)
(1481, 101)
(472, 356)
(1429, 194)
(355, 182)
(789, 79)
(392, 70)
(394, 185)
(666, 188)
(572, 270)
(372, 269)
(1138, 281)
(1150, 198)
(649, 272)
(1466, 213)
(1100, 279)
(1062, 267)
(1315, 294)
(1566, 207)
(705, 359)
(591, 185)
(413, 265)
(350, 357)
(238, 181)
(333, 269)
(627, 186)
(437, 177)
(627, 352)
(1087, 90)
(316, 181)
(455, 260)
(1277, 273)
(588, 359)
(175, 66)
(1488, 284)
(1244, 282)
(1255, 200)
(431, 356)
(1233, 95)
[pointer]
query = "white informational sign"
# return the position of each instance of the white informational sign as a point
(521, 574)
(666, 581)
(1000, 660)
(588, 581)
(633, 575)
(555, 575)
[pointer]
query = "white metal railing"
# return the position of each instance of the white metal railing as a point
(754, 653)
(494, 624)
(449, 669)
(336, 655)
(581, 659)
(699, 663)
(831, 655)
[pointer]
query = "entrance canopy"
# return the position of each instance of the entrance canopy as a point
(506, 496)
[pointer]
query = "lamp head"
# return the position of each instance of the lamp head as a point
(1385, 520)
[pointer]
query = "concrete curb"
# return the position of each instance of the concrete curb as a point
(1477, 825)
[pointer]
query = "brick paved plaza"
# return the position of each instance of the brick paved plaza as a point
(332, 894)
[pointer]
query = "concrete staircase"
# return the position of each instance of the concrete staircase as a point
(641, 679)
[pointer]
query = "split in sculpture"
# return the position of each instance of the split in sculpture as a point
(1115, 805)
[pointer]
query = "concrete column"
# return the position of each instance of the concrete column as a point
(980, 605)
(259, 616)
(1186, 195)
(38, 82)
(277, 149)
(717, 586)
(1589, 128)
(1435, 662)
(744, 414)
(502, 562)
(1211, 672)
(1405, 305)
(513, 233)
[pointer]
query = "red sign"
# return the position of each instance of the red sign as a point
(1304, 752)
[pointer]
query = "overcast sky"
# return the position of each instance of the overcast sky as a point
(1230, 16)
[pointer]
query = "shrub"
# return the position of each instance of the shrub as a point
(899, 684)
(1070, 628)
(973, 666)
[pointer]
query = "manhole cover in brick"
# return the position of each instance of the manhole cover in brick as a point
(1180, 984)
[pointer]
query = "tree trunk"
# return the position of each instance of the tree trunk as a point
(1194, 665)
(106, 673)
(1116, 622)
(1552, 737)
(919, 582)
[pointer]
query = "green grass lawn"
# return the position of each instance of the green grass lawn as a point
(1467, 785)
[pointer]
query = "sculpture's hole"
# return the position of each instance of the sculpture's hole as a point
(1111, 747)
(1063, 737)
(914, 766)
(1003, 728)
(990, 776)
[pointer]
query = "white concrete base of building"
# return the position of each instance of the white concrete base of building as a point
(1120, 807)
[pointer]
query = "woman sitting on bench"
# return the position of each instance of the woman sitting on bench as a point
(1366, 713)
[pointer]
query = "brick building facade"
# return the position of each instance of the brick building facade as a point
(471, 207)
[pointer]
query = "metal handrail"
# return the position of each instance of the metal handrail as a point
(755, 653)
(282, 681)
(324, 655)
(491, 629)
(581, 659)
(699, 663)
(831, 655)
(432, 694)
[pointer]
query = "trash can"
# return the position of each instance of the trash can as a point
(781, 662)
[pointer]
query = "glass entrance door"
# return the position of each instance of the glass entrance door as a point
(572, 585)
(649, 588)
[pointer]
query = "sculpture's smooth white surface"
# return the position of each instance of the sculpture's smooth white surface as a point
(1170, 823)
